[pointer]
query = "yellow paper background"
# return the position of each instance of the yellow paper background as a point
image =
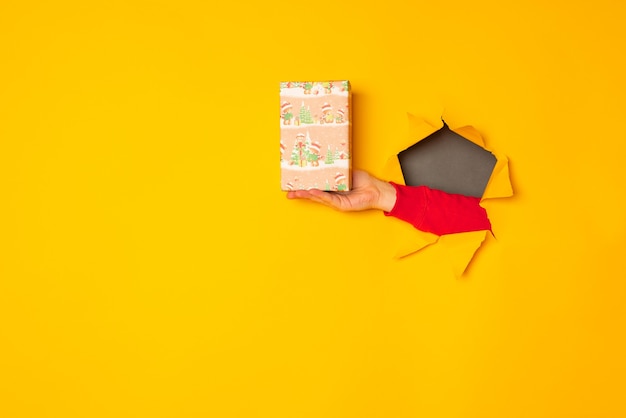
(150, 266)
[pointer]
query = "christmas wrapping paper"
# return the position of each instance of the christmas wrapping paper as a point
(315, 135)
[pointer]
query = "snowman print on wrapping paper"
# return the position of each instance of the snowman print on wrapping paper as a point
(286, 115)
(327, 116)
(314, 153)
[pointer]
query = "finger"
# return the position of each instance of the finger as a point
(336, 200)
(327, 197)
(298, 194)
(332, 199)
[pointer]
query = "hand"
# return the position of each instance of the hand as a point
(367, 192)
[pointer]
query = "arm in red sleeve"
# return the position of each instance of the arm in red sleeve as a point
(438, 212)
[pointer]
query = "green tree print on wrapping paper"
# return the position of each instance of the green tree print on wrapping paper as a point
(330, 158)
(305, 115)
(307, 147)
(295, 157)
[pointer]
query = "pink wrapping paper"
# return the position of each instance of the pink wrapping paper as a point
(315, 135)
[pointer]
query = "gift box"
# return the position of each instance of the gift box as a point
(315, 135)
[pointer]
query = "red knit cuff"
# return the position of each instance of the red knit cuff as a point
(410, 204)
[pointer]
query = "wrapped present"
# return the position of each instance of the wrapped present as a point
(315, 135)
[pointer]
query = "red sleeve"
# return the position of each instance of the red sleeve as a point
(438, 212)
